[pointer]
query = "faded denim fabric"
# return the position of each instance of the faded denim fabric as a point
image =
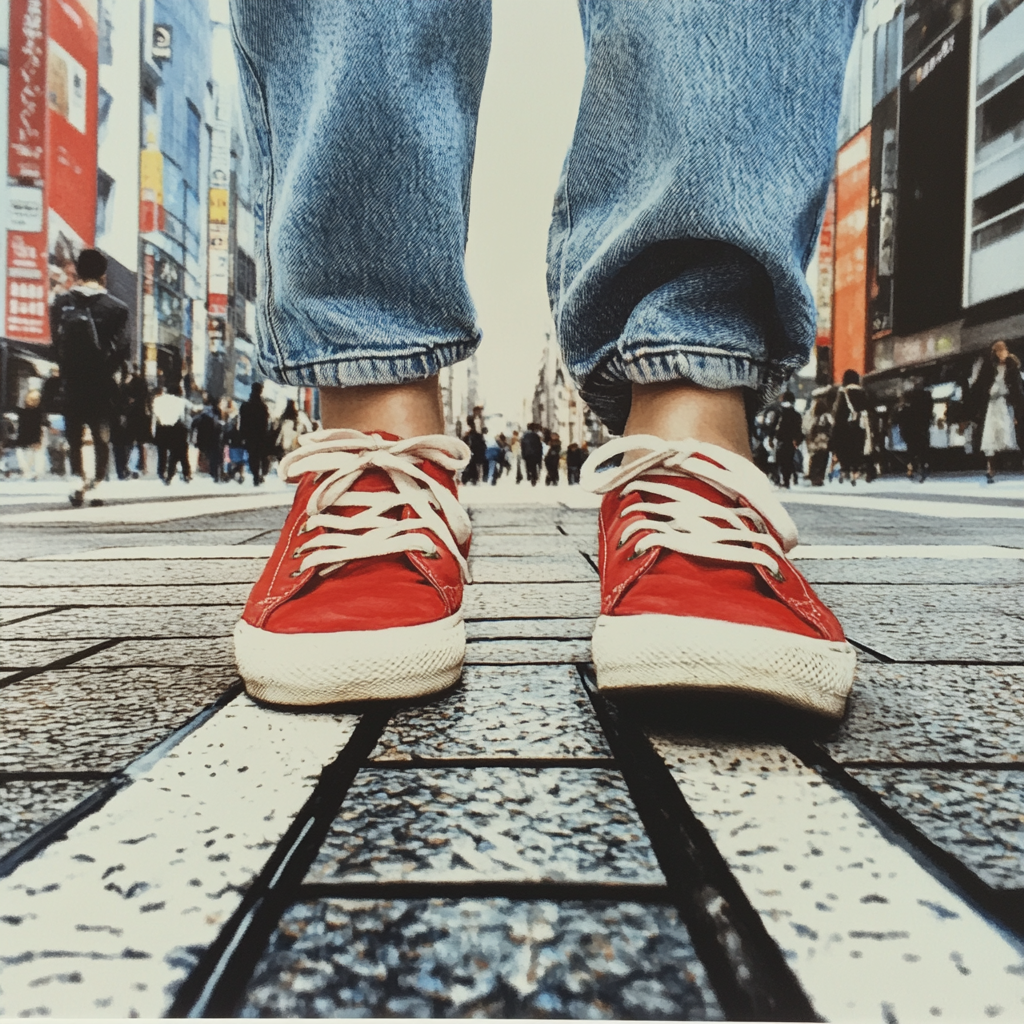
(683, 223)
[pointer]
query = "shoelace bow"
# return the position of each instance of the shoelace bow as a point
(690, 523)
(339, 458)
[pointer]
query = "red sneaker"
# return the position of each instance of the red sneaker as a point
(362, 597)
(696, 591)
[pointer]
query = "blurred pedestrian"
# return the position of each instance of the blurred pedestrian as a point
(208, 437)
(289, 430)
(254, 422)
(138, 418)
(914, 419)
(532, 452)
(573, 463)
(817, 427)
(515, 452)
(89, 330)
(234, 446)
(996, 403)
(851, 432)
(29, 442)
(789, 435)
(476, 469)
(552, 458)
(170, 429)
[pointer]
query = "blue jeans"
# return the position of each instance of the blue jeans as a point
(683, 223)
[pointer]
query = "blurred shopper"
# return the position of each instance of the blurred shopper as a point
(851, 433)
(515, 449)
(208, 437)
(789, 435)
(234, 444)
(138, 418)
(996, 404)
(289, 430)
(170, 429)
(817, 427)
(914, 419)
(532, 451)
(476, 469)
(552, 458)
(29, 442)
(254, 423)
(574, 458)
(89, 329)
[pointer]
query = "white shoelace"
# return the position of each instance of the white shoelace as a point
(687, 522)
(339, 458)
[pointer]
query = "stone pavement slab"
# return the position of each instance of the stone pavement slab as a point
(901, 571)
(32, 542)
(26, 805)
(531, 570)
(182, 593)
(21, 654)
(110, 623)
(476, 824)
(205, 652)
(527, 652)
(532, 600)
(513, 712)
(529, 629)
(143, 572)
(481, 958)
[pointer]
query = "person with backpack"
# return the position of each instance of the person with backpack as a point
(851, 431)
(89, 331)
(532, 451)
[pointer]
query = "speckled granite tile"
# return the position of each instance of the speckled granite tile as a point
(530, 629)
(106, 623)
(922, 622)
(978, 816)
(205, 652)
(868, 932)
(33, 542)
(465, 824)
(481, 958)
(109, 921)
(139, 572)
(531, 570)
(17, 654)
(10, 616)
(189, 595)
(933, 713)
(898, 571)
(98, 720)
(546, 600)
(27, 805)
(525, 529)
(511, 515)
(513, 711)
(527, 652)
(513, 546)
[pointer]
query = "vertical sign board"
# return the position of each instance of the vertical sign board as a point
(219, 255)
(823, 292)
(849, 311)
(71, 86)
(27, 285)
(882, 217)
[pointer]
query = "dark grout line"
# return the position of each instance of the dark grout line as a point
(746, 968)
(945, 766)
(591, 563)
(994, 904)
(217, 984)
(560, 892)
(68, 659)
(40, 840)
(877, 655)
(56, 776)
(31, 615)
(493, 762)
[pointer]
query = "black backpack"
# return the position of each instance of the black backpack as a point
(79, 351)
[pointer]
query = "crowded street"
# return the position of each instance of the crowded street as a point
(520, 845)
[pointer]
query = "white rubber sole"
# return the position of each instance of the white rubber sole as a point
(669, 652)
(306, 669)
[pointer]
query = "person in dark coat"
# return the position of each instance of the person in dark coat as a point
(532, 452)
(851, 439)
(476, 470)
(208, 433)
(89, 331)
(789, 435)
(551, 460)
(995, 402)
(254, 425)
(915, 422)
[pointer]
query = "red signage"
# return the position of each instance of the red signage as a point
(849, 311)
(25, 304)
(826, 256)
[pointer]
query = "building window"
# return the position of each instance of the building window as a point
(104, 195)
(245, 275)
(192, 144)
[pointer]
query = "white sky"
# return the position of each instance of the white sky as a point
(527, 114)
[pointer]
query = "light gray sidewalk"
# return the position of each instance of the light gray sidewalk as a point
(522, 846)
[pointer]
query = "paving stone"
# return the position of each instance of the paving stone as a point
(466, 824)
(110, 921)
(77, 719)
(542, 600)
(524, 529)
(527, 652)
(131, 573)
(958, 713)
(205, 652)
(869, 933)
(110, 623)
(513, 711)
(188, 594)
(503, 545)
(975, 815)
(898, 571)
(923, 622)
(531, 570)
(18, 654)
(481, 958)
(26, 805)
(530, 629)
(18, 612)
(513, 515)
(31, 542)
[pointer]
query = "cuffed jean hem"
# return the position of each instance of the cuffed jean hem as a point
(608, 390)
(353, 371)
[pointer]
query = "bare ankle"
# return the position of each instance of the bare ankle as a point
(407, 410)
(678, 410)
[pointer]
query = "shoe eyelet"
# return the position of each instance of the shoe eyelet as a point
(292, 575)
(296, 554)
(620, 544)
(776, 575)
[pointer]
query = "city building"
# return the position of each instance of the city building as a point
(557, 405)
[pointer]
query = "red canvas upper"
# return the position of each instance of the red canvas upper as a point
(665, 582)
(404, 589)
